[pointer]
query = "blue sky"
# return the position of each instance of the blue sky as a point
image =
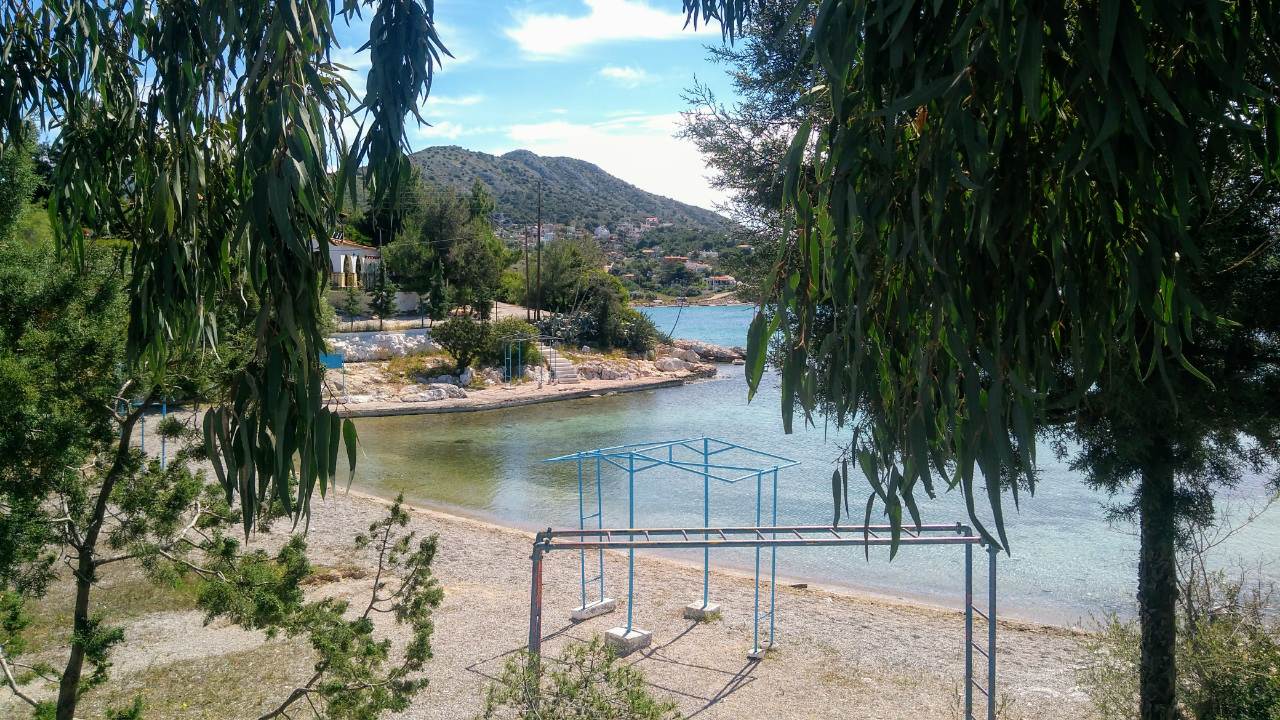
(599, 80)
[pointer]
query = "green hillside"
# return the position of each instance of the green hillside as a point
(574, 191)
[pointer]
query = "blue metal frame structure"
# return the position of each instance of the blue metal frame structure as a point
(698, 456)
(775, 536)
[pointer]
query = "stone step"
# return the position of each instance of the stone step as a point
(565, 371)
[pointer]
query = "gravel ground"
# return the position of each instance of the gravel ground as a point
(836, 652)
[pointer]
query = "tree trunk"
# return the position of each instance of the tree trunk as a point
(86, 571)
(1158, 592)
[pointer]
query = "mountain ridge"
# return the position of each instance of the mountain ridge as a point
(574, 191)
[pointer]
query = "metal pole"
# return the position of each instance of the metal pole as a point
(527, 311)
(991, 634)
(968, 632)
(600, 524)
(164, 453)
(755, 625)
(773, 558)
(631, 552)
(582, 525)
(535, 600)
(538, 307)
(706, 520)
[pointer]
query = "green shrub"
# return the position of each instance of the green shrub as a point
(624, 328)
(633, 330)
(463, 338)
(1228, 656)
(587, 681)
(508, 329)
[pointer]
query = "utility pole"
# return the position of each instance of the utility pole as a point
(527, 311)
(539, 306)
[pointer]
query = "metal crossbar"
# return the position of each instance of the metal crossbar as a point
(767, 537)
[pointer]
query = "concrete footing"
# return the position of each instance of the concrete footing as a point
(624, 643)
(757, 653)
(591, 610)
(702, 613)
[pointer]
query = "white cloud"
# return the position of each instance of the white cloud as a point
(445, 130)
(624, 75)
(453, 100)
(556, 36)
(641, 149)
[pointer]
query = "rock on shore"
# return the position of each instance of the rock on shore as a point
(365, 346)
(705, 352)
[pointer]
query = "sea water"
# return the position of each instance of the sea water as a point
(1066, 563)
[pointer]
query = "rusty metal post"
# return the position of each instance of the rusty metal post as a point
(535, 596)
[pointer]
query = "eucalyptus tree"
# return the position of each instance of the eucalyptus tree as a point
(209, 137)
(1021, 218)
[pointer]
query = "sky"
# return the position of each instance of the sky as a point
(598, 80)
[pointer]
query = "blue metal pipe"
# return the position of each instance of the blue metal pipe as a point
(164, 453)
(706, 522)
(755, 625)
(991, 634)
(968, 632)
(600, 524)
(631, 552)
(773, 559)
(582, 525)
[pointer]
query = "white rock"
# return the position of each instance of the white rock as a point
(466, 377)
(670, 364)
(610, 374)
(361, 347)
(687, 355)
(434, 392)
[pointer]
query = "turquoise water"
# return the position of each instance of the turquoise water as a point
(725, 325)
(1067, 563)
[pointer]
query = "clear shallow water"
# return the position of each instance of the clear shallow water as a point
(1067, 563)
(723, 325)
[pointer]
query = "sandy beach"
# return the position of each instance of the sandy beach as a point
(836, 651)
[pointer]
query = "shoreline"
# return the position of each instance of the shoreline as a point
(547, 394)
(849, 591)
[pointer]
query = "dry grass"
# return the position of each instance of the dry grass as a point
(123, 594)
(415, 368)
(226, 687)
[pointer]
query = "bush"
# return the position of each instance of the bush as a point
(511, 287)
(463, 338)
(624, 328)
(633, 330)
(507, 329)
(589, 682)
(574, 328)
(1228, 656)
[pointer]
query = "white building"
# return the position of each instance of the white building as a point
(722, 282)
(350, 265)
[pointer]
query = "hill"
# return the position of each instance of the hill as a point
(573, 191)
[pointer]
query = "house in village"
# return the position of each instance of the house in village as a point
(718, 283)
(351, 264)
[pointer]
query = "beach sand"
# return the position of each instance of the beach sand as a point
(837, 653)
